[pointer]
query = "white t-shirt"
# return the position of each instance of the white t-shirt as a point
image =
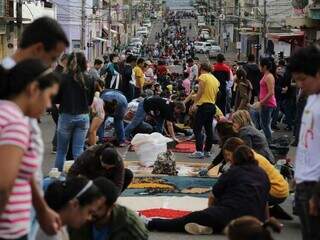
(61, 235)
(307, 165)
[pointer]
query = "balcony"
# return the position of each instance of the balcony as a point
(314, 11)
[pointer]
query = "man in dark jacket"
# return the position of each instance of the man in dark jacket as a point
(253, 75)
(127, 78)
(111, 221)
(222, 72)
(102, 160)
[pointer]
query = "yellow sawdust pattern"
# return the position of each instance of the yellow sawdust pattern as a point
(150, 185)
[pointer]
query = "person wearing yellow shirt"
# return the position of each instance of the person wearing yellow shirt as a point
(139, 77)
(279, 187)
(205, 103)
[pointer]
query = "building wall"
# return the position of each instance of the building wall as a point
(34, 10)
(30, 12)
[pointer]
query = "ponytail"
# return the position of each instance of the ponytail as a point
(3, 83)
(76, 66)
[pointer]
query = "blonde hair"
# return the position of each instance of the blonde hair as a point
(242, 117)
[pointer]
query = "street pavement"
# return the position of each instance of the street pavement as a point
(291, 229)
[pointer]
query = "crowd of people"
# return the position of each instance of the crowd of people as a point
(233, 107)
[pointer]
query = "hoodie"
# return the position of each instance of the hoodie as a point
(254, 76)
(257, 141)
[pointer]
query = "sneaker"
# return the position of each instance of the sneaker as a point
(207, 154)
(197, 229)
(123, 144)
(197, 155)
(289, 129)
(275, 128)
(145, 220)
(54, 150)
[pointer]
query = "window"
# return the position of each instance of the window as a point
(75, 44)
(2, 3)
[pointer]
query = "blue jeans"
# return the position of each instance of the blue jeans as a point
(136, 121)
(75, 127)
(159, 124)
(255, 116)
(265, 121)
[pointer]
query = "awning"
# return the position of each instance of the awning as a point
(286, 36)
(291, 37)
(99, 39)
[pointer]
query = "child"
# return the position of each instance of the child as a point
(186, 83)
(98, 114)
(250, 228)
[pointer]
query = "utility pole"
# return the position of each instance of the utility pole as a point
(264, 25)
(83, 25)
(19, 18)
(220, 12)
(109, 25)
(239, 25)
(130, 17)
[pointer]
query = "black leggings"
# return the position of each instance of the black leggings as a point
(204, 118)
(217, 219)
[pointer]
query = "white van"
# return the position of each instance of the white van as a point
(202, 47)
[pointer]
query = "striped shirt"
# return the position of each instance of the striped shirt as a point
(15, 131)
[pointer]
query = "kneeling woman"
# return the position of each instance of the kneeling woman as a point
(102, 161)
(243, 190)
(75, 200)
(279, 187)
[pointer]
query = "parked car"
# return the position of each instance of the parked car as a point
(134, 51)
(142, 33)
(214, 50)
(147, 23)
(135, 44)
(212, 41)
(202, 47)
(142, 29)
(136, 39)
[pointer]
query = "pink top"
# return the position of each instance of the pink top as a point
(187, 86)
(15, 131)
(271, 102)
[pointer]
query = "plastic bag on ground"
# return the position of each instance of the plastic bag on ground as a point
(148, 146)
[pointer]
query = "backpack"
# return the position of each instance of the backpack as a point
(165, 164)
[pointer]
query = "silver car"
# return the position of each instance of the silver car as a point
(214, 50)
